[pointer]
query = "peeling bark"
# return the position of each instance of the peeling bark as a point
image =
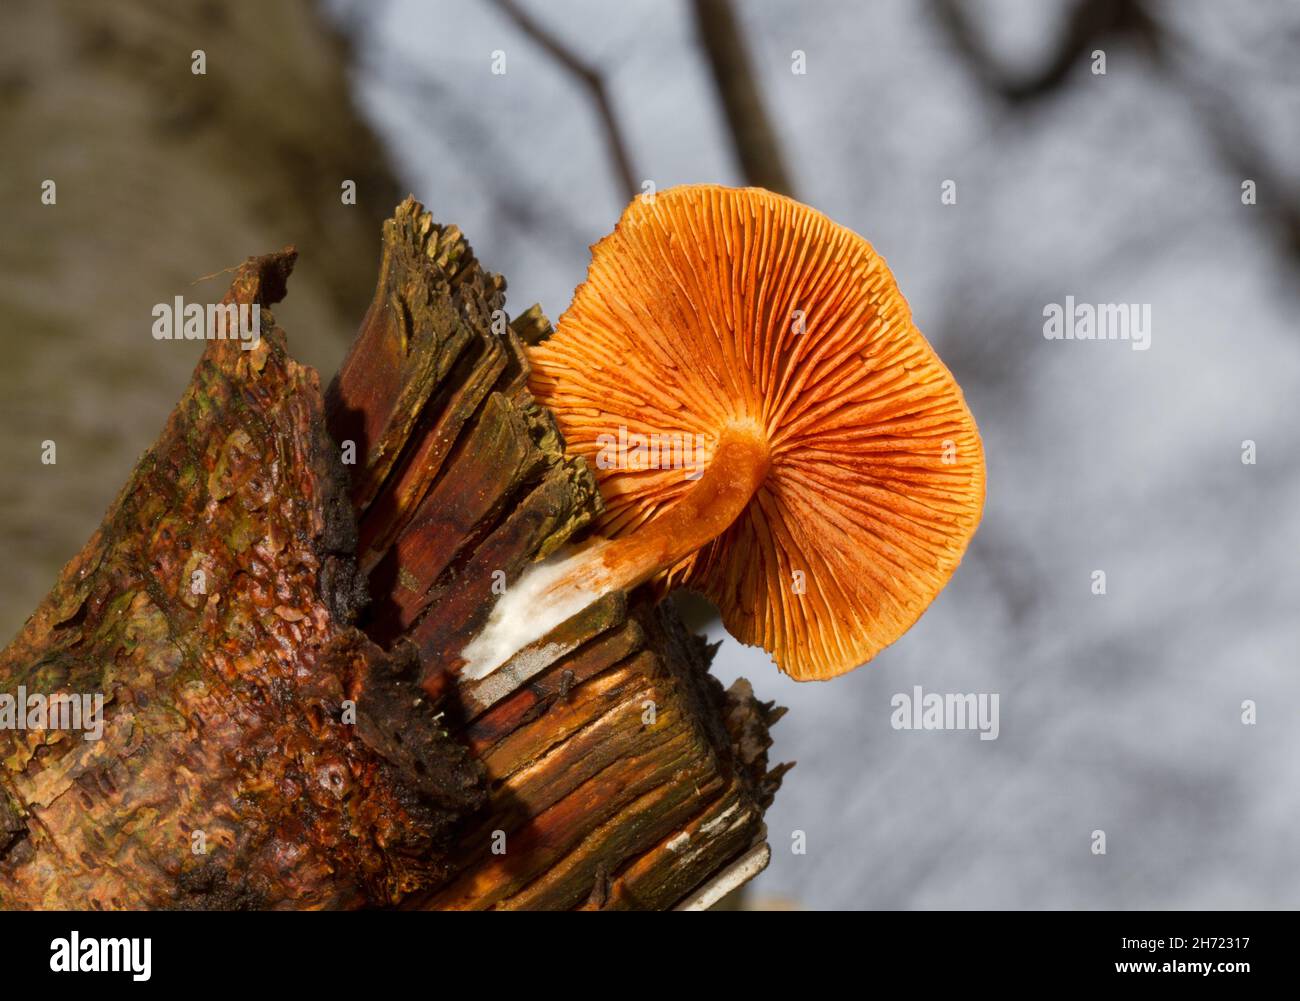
(223, 700)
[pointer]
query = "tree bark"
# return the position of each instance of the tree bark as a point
(269, 737)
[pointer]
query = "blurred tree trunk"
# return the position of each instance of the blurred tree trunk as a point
(161, 176)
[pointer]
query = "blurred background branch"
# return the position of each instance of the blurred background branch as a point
(1089, 24)
(751, 132)
(589, 77)
(1170, 53)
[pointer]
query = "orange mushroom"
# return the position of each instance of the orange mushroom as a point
(767, 426)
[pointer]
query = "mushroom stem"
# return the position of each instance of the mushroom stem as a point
(550, 592)
(734, 473)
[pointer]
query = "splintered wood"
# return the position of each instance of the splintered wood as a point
(620, 774)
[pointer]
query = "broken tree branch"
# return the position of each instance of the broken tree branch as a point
(271, 611)
(211, 613)
(609, 749)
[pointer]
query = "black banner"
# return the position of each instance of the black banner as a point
(142, 951)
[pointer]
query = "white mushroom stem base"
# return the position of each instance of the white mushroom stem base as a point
(558, 588)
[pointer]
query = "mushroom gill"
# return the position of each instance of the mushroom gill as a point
(766, 424)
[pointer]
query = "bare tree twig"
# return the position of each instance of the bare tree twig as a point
(752, 135)
(1090, 22)
(513, 197)
(590, 78)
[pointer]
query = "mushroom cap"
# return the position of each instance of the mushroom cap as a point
(710, 306)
